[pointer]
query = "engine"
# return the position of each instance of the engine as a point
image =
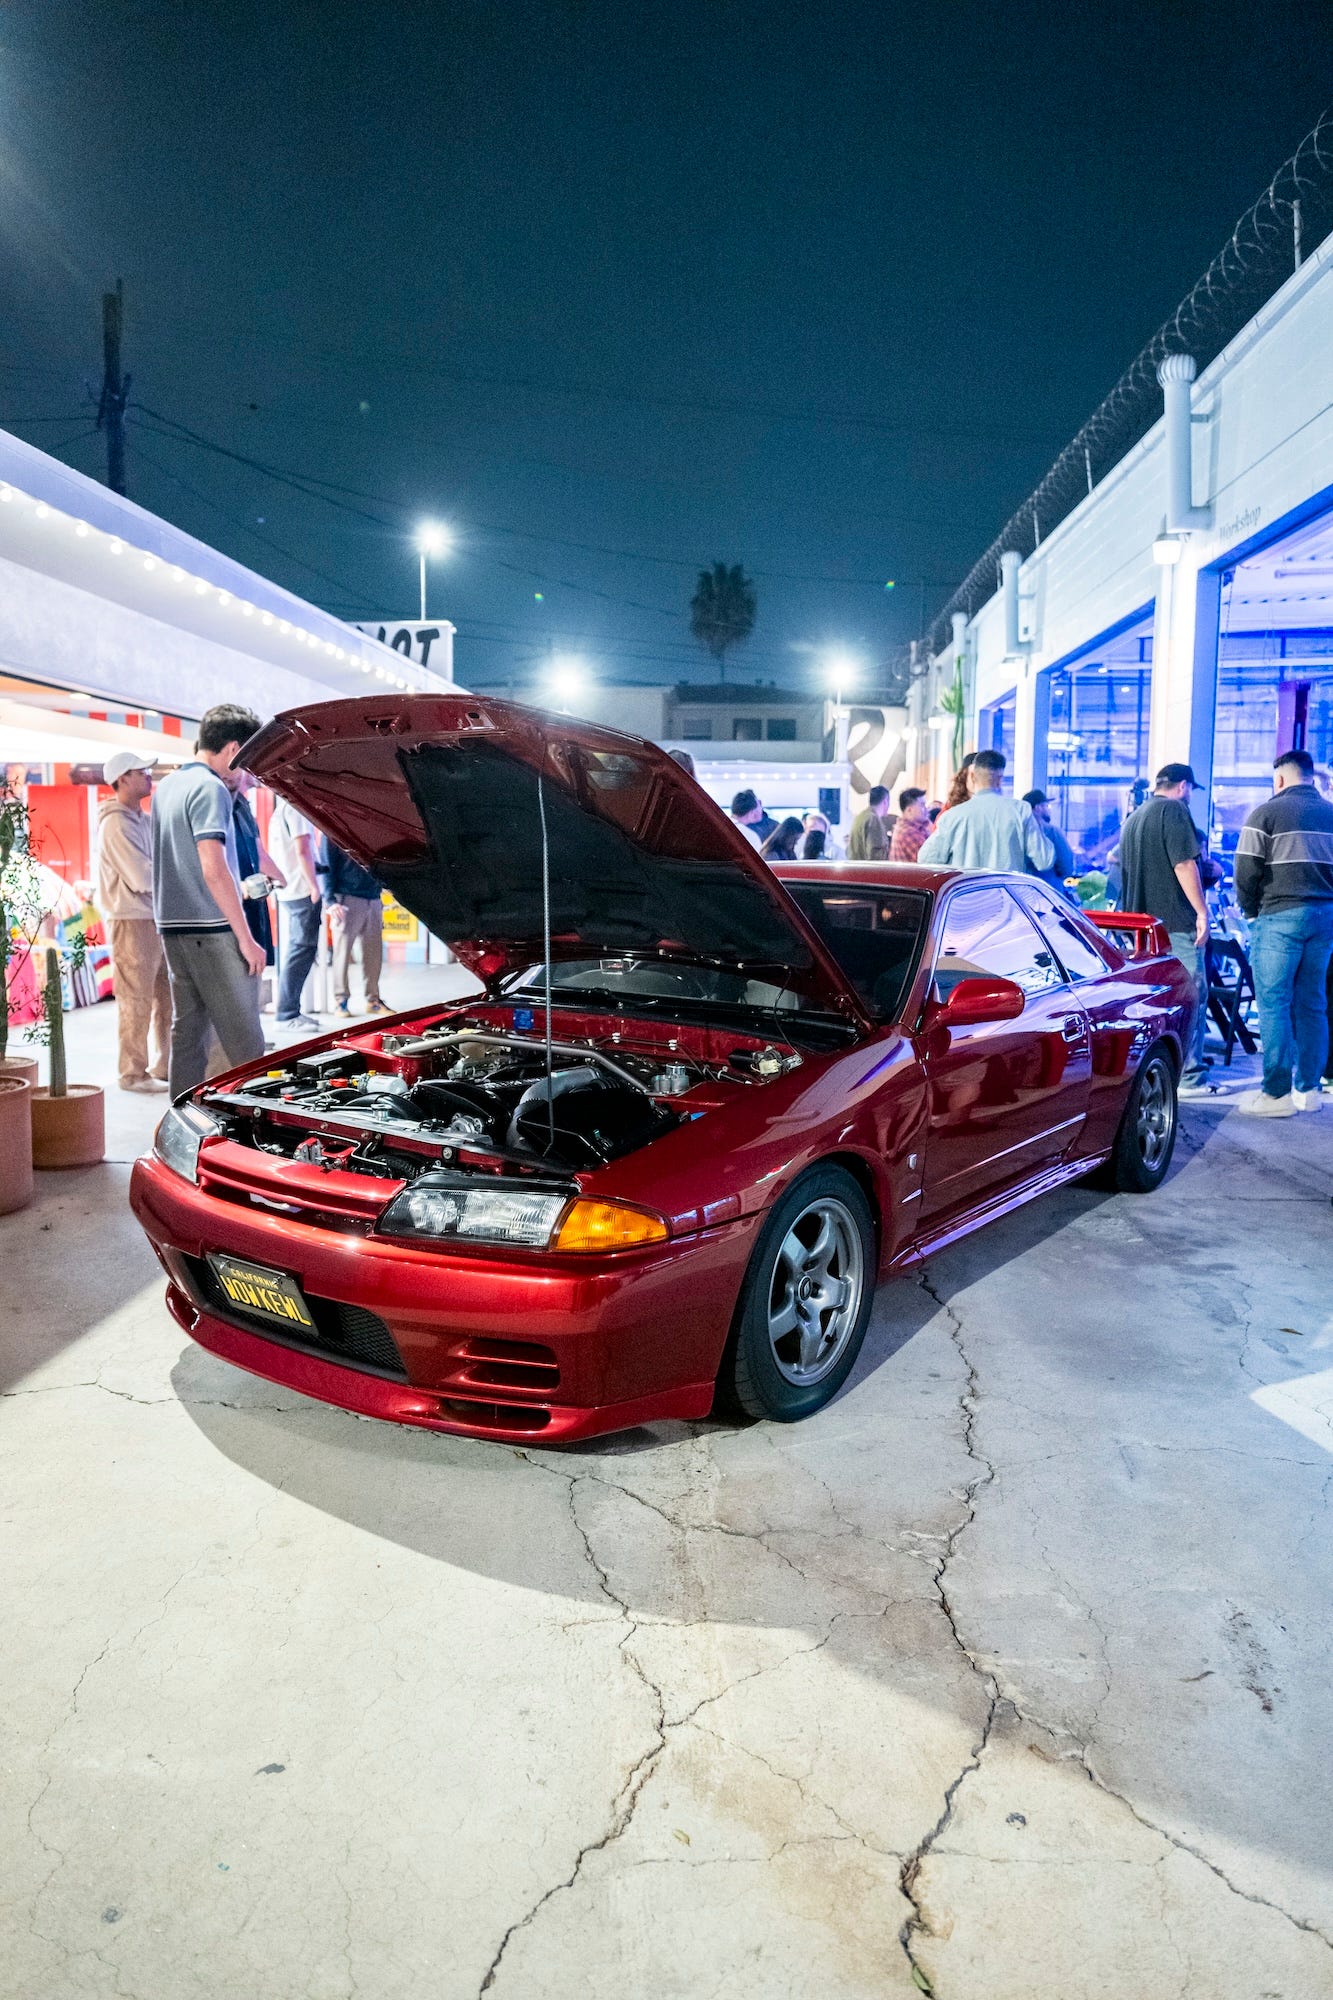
(460, 1095)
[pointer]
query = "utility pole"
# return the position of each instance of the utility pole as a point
(115, 388)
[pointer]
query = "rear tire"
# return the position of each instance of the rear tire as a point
(1146, 1138)
(806, 1301)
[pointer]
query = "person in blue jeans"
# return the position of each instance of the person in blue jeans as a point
(1284, 884)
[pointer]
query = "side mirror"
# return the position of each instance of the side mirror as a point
(973, 1002)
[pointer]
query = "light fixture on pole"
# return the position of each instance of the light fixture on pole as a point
(566, 678)
(431, 540)
(842, 669)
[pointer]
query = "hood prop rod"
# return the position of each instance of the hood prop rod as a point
(546, 954)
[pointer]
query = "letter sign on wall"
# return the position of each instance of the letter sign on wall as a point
(427, 645)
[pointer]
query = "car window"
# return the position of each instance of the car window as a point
(658, 978)
(873, 935)
(986, 935)
(1061, 928)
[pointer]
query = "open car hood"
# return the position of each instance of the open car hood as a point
(442, 797)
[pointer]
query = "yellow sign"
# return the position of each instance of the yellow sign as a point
(400, 926)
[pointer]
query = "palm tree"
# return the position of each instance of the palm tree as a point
(722, 610)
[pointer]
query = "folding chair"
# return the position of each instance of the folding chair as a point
(1229, 998)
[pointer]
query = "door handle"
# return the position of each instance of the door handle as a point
(1072, 1028)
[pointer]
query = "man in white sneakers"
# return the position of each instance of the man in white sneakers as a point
(1284, 885)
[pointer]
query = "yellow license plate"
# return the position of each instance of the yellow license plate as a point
(270, 1294)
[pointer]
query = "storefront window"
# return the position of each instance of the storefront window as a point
(996, 730)
(1274, 691)
(1097, 740)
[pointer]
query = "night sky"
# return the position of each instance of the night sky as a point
(619, 290)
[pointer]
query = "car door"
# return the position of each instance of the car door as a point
(1110, 1001)
(1005, 1100)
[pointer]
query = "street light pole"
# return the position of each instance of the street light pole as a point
(432, 540)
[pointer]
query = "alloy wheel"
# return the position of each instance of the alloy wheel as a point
(816, 1291)
(1156, 1116)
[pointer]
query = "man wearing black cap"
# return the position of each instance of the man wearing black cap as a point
(1159, 865)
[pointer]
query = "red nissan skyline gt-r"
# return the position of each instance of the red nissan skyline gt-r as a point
(674, 1170)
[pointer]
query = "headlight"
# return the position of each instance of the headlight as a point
(528, 1221)
(179, 1137)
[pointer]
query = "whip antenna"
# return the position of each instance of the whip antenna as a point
(546, 954)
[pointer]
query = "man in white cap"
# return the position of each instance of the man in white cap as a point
(125, 899)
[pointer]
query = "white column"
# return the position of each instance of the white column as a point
(1025, 730)
(1184, 670)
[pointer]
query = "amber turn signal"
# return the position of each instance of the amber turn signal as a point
(608, 1225)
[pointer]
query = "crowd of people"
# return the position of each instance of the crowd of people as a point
(1283, 888)
(184, 890)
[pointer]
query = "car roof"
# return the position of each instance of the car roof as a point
(883, 874)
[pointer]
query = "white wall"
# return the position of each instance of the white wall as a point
(1262, 445)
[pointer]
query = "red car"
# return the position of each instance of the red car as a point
(677, 1172)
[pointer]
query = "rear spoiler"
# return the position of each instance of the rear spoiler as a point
(1136, 936)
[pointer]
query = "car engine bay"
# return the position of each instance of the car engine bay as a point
(473, 1091)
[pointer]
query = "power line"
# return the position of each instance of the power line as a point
(21, 423)
(235, 521)
(709, 406)
(330, 491)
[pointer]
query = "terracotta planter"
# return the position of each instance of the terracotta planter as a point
(15, 1143)
(69, 1131)
(20, 1066)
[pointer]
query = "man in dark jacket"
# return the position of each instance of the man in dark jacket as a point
(353, 899)
(1284, 884)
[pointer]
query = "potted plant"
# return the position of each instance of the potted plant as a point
(15, 1143)
(68, 1119)
(20, 916)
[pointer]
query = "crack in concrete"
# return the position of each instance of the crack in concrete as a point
(916, 1924)
(640, 1771)
(665, 1727)
(147, 1402)
(1196, 1853)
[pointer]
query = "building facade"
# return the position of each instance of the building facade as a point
(1183, 611)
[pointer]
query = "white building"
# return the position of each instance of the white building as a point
(797, 751)
(1183, 611)
(117, 631)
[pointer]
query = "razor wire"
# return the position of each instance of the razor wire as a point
(1263, 250)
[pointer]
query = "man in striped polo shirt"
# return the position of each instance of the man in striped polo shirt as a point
(1284, 884)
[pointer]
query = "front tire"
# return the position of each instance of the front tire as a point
(1147, 1135)
(806, 1301)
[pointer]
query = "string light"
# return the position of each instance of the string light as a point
(117, 546)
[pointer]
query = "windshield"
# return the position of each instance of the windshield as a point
(874, 934)
(661, 979)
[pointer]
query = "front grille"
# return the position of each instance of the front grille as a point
(348, 1334)
(496, 1416)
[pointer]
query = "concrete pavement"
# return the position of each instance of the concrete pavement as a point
(1005, 1678)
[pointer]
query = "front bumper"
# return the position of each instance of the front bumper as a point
(483, 1344)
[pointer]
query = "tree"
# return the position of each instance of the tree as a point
(722, 610)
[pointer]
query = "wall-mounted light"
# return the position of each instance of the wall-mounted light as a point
(1167, 551)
